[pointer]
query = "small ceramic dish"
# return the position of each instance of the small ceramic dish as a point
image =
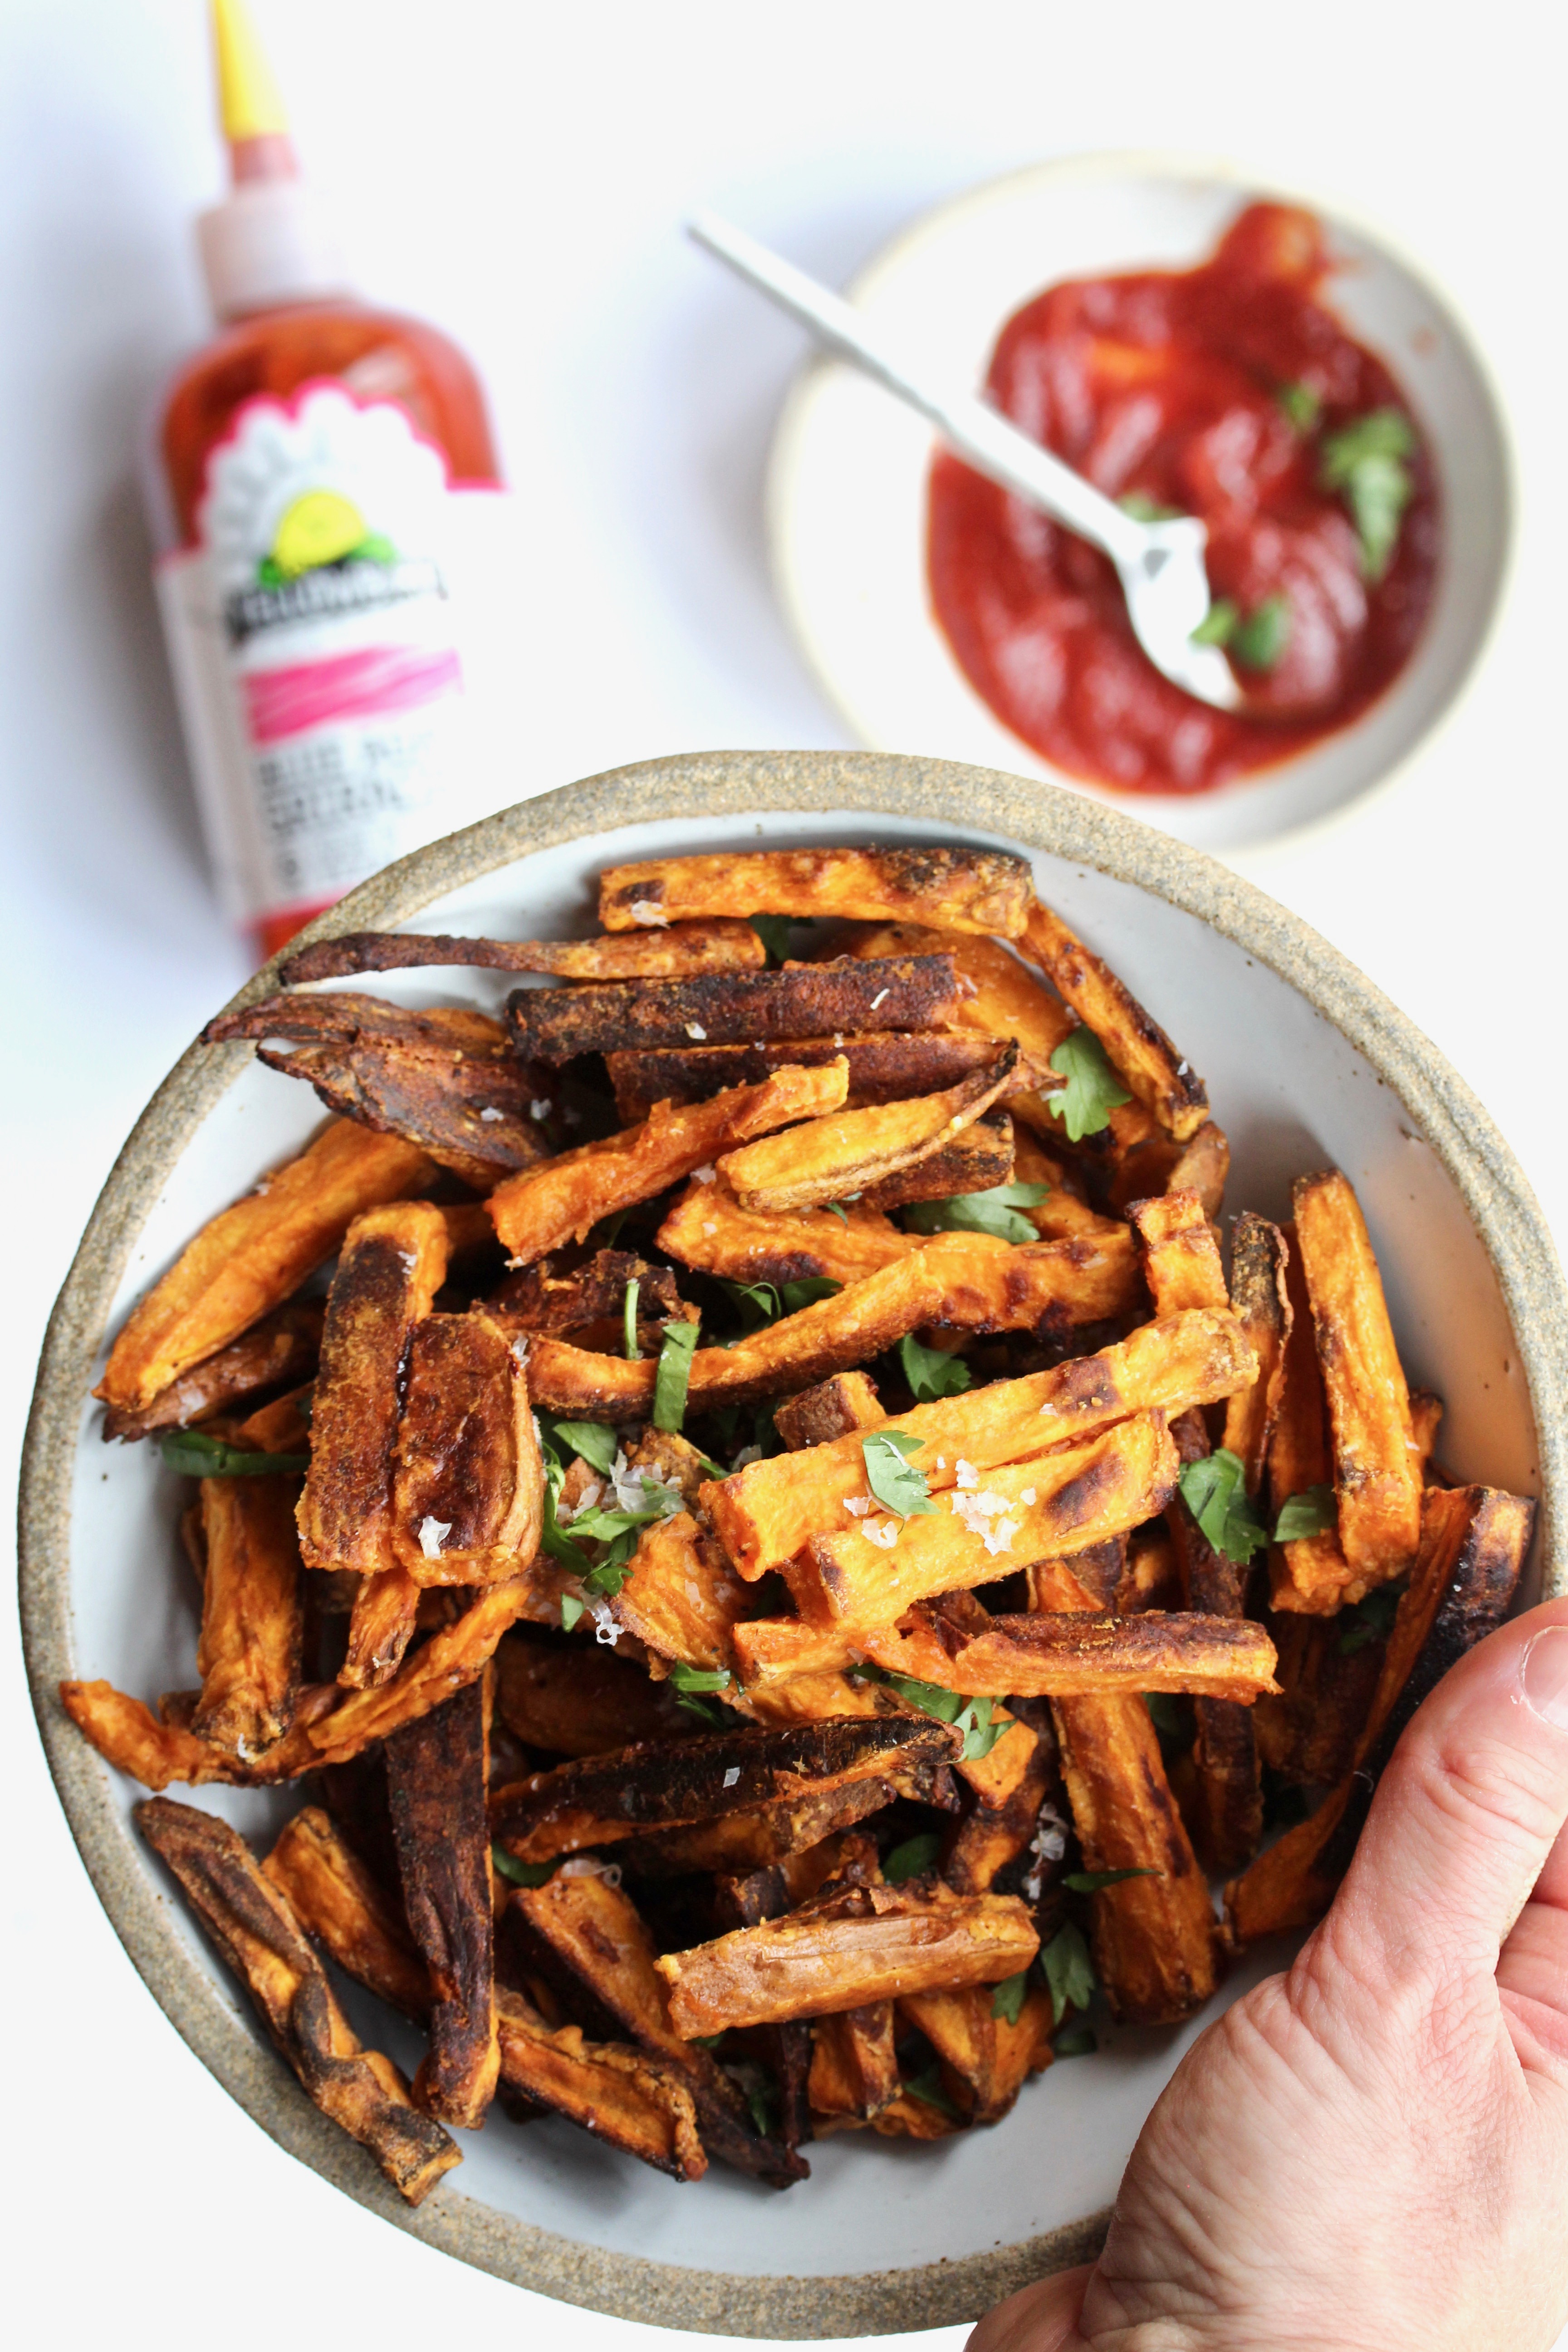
(1306, 1063)
(847, 481)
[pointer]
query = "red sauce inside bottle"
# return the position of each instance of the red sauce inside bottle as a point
(1177, 387)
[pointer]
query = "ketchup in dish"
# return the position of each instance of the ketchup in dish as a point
(1230, 392)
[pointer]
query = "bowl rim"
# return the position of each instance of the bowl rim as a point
(751, 784)
(784, 455)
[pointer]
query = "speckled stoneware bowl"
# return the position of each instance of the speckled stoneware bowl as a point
(1306, 1063)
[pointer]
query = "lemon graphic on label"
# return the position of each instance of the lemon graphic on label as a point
(322, 527)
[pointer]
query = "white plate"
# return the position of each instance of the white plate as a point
(846, 482)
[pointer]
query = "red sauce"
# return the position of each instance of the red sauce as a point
(1169, 384)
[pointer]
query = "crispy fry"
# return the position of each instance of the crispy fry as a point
(1181, 1257)
(1377, 1476)
(394, 1261)
(960, 890)
(1309, 1574)
(967, 1280)
(581, 1699)
(638, 2103)
(869, 1943)
(1161, 1164)
(976, 1160)
(992, 1836)
(337, 1902)
(708, 1229)
(1070, 1656)
(766, 1512)
(1062, 1215)
(539, 1298)
(468, 1490)
(599, 1801)
(130, 1738)
(1007, 1000)
(254, 1930)
(717, 946)
(737, 1843)
(436, 1770)
(1148, 1577)
(682, 1597)
(252, 1618)
(540, 1208)
(855, 1150)
(885, 1066)
(382, 1623)
(833, 1408)
(592, 1940)
(1474, 1540)
(853, 2065)
(1261, 1296)
(248, 1259)
(1137, 1047)
(448, 1661)
(1080, 1493)
(984, 2060)
(1307, 1733)
(281, 1427)
(282, 1347)
(732, 1008)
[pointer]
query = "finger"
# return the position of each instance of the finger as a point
(1468, 1812)
(1038, 2318)
(1533, 1971)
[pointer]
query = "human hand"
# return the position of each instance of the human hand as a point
(1370, 2154)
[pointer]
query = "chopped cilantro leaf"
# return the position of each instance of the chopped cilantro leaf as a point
(1259, 640)
(913, 1856)
(930, 1371)
(1214, 1491)
(1007, 2001)
(896, 1484)
(1218, 624)
(522, 1873)
(1371, 1620)
(673, 1376)
(1367, 460)
(1069, 1971)
(195, 1455)
(629, 1320)
(927, 2088)
(1092, 1090)
(1313, 1512)
(1143, 508)
(1302, 404)
(1076, 2042)
(992, 1212)
(571, 1609)
(773, 931)
(597, 1444)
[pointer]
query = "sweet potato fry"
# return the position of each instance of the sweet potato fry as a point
(637, 2103)
(1074, 1655)
(1181, 1257)
(737, 1843)
(1138, 1049)
(732, 1008)
(992, 1836)
(978, 1157)
(436, 1771)
(540, 1208)
(593, 1941)
(129, 1736)
(1307, 1735)
(281, 1348)
(1260, 1296)
(340, 1905)
(394, 1261)
(601, 1799)
(252, 1617)
(853, 1150)
(1474, 1540)
(885, 1066)
(468, 1498)
(1222, 1790)
(967, 1280)
(1311, 1574)
(382, 1623)
(984, 2060)
(835, 1408)
(254, 1930)
(1006, 1000)
(447, 1661)
(767, 1511)
(1154, 1938)
(958, 889)
(682, 1597)
(249, 1258)
(1377, 1477)
(717, 946)
(540, 1298)
(853, 2065)
(1148, 1576)
(708, 1229)
(580, 1699)
(869, 1943)
(1063, 1214)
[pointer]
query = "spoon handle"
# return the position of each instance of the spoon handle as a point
(978, 432)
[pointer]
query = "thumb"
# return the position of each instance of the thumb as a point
(1039, 2318)
(1467, 1813)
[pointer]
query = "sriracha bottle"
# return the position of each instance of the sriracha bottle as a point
(335, 543)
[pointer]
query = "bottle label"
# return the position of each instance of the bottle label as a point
(325, 633)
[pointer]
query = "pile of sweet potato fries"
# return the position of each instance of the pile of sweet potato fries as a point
(744, 1497)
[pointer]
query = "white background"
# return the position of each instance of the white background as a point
(518, 173)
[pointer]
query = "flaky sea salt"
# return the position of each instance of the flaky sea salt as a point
(695, 1029)
(606, 1627)
(885, 1534)
(433, 1533)
(706, 1175)
(966, 1473)
(732, 1775)
(650, 915)
(488, 1113)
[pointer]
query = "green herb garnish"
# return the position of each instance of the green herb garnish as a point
(1302, 404)
(691, 1683)
(892, 1478)
(972, 1717)
(1218, 624)
(927, 2088)
(1007, 2001)
(932, 1372)
(1143, 508)
(1090, 1882)
(1076, 2042)
(773, 931)
(524, 1873)
(1069, 1971)
(1259, 640)
(767, 1301)
(1167, 1714)
(837, 1208)
(1214, 1491)
(912, 1857)
(1373, 1621)
(674, 1375)
(571, 1609)
(629, 1322)
(195, 1456)
(994, 1211)
(597, 1444)
(1367, 461)
(1092, 1090)
(1311, 1513)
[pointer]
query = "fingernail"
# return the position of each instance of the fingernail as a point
(1543, 1675)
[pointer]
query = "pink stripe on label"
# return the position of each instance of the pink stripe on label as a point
(372, 684)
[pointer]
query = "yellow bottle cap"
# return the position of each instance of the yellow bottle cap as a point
(249, 101)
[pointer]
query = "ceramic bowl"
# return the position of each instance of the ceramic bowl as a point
(1306, 1063)
(847, 486)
